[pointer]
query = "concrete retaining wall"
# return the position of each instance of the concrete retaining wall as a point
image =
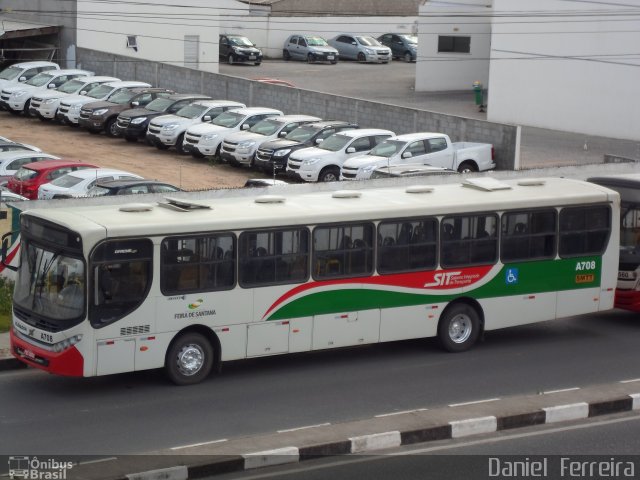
(366, 113)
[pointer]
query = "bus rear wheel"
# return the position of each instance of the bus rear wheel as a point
(459, 327)
(189, 359)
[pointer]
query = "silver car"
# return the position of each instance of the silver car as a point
(309, 48)
(361, 47)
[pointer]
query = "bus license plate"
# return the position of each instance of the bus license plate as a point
(28, 353)
(626, 275)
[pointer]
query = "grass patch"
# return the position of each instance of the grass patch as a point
(6, 294)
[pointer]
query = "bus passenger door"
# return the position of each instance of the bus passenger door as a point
(346, 328)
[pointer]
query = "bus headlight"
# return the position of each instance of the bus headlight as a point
(67, 343)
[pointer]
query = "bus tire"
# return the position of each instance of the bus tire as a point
(189, 359)
(459, 327)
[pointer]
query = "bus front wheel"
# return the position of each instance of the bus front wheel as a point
(189, 359)
(459, 327)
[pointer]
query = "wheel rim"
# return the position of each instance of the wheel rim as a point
(230, 59)
(330, 177)
(460, 328)
(190, 359)
(112, 129)
(407, 57)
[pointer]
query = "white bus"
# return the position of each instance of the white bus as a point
(628, 186)
(187, 285)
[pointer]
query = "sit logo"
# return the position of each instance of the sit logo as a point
(28, 468)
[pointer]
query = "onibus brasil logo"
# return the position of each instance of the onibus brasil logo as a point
(38, 469)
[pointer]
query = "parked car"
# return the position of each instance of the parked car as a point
(238, 49)
(361, 47)
(45, 104)
(206, 138)
(240, 148)
(103, 114)
(29, 177)
(263, 182)
(78, 183)
(8, 196)
(21, 72)
(433, 149)
(272, 156)
(168, 131)
(402, 45)
(409, 170)
(130, 186)
(11, 146)
(17, 98)
(132, 124)
(69, 109)
(10, 162)
(322, 163)
(309, 48)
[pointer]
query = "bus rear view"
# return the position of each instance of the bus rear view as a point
(628, 288)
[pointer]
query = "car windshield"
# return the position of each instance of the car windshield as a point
(240, 42)
(368, 41)
(228, 119)
(388, 148)
(67, 181)
(316, 42)
(159, 104)
(71, 86)
(25, 174)
(410, 38)
(39, 80)
(49, 283)
(122, 97)
(192, 111)
(10, 73)
(266, 127)
(100, 91)
(302, 134)
(335, 143)
(12, 147)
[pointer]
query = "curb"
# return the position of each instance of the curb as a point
(390, 439)
(10, 363)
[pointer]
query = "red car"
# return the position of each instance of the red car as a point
(29, 177)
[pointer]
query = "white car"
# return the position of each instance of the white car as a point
(168, 131)
(435, 149)
(9, 196)
(45, 104)
(69, 109)
(78, 183)
(10, 162)
(240, 148)
(323, 163)
(21, 72)
(17, 98)
(206, 138)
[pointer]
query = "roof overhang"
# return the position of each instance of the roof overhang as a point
(11, 28)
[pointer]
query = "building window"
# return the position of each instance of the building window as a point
(451, 44)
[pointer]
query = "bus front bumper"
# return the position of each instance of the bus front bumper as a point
(68, 362)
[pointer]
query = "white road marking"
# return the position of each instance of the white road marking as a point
(303, 428)
(222, 440)
(464, 404)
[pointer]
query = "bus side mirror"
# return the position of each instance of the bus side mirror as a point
(5, 249)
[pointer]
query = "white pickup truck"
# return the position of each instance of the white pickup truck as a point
(426, 148)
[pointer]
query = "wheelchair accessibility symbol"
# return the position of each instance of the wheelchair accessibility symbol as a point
(511, 276)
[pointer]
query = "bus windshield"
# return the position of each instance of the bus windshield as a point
(50, 284)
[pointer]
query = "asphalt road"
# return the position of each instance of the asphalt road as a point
(132, 413)
(557, 452)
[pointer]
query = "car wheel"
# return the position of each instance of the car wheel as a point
(257, 64)
(131, 139)
(230, 59)
(286, 55)
(195, 153)
(408, 57)
(467, 167)
(25, 110)
(333, 62)
(189, 359)
(310, 58)
(329, 174)
(162, 146)
(110, 128)
(459, 327)
(361, 57)
(179, 145)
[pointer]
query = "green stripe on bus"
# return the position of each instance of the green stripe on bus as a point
(532, 278)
